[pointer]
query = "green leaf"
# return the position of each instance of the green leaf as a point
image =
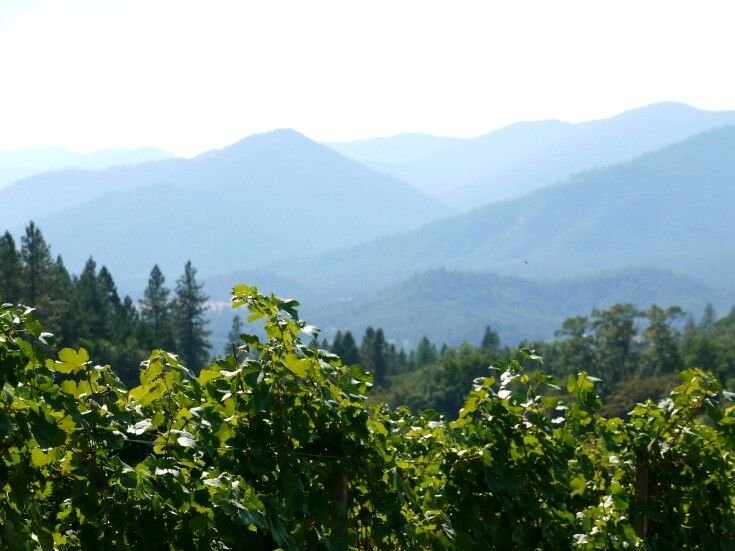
(46, 431)
(186, 441)
(70, 361)
(578, 485)
(140, 427)
(39, 458)
(297, 366)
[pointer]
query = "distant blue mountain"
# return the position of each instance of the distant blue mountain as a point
(526, 156)
(265, 198)
(21, 163)
(671, 209)
(400, 149)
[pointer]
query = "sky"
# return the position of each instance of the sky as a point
(189, 75)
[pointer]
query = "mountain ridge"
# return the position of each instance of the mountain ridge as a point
(22, 163)
(524, 156)
(678, 198)
(266, 197)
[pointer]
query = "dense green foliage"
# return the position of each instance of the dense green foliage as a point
(87, 311)
(276, 446)
(635, 353)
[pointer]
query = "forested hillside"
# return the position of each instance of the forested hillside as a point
(670, 209)
(450, 306)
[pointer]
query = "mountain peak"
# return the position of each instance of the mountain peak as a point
(273, 137)
(278, 141)
(663, 109)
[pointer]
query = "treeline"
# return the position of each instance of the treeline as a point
(87, 310)
(635, 353)
(383, 359)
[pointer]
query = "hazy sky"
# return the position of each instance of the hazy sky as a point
(192, 75)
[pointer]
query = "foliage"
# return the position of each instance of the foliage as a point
(442, 385)
(275, 446)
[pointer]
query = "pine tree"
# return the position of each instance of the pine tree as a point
(345, 347)
(402, 360)
(350, 354)
(698, 349)
(709, 318)
(128, 318)
(122, 313)
(156, 312)
(689, 326)
(367, 350)
(337, 344)
(190, 306)
(10, 277)
(490, 339)
(615, 333)
(109, 287)
(391, 359)
(128, 350)
(233, 337)
(59, 292)
(576, 351)
(380, 364)
(91, 305)
(36, 258)
(661, 353)
(112, 304)
(426, 353)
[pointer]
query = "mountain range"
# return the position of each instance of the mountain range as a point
(267, 197)
(670, 209)
(21, 163)
(650, 192)
(520, 158)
